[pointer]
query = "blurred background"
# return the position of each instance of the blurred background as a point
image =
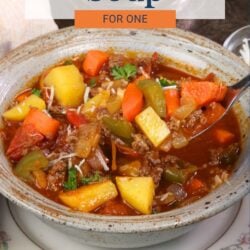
(237, 15)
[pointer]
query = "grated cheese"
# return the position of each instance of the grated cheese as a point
(46, 112)
(102, 161)
(109, 85)
(19, 109)
(86, 94)
(50, 96)
(69, 130)
(170, 87)
(69, 162)
(63, 156)
(63, 111)
(164, 196)
(78, 110)
(51, 154)
(245, 51)
(113, 91)
(81, 162)
(146, 75)
(78, 167)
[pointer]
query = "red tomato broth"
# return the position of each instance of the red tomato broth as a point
(197, 152)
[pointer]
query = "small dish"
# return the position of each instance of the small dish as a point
(235, 40)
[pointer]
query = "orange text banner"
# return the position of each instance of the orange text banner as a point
(125, 19)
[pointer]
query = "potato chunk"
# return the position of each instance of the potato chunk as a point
(98, 101)
(153, 126)
(88, 198)
(68, 85)
(137, 192)
(21, 110)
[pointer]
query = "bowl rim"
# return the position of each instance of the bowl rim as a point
(128, 224)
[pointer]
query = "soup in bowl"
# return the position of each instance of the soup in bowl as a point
(100, 140)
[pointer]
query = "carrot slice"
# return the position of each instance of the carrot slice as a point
(203, 92)
(94, 61)
(223, 136)
(132, 102)
(172, 98)
(42, 123)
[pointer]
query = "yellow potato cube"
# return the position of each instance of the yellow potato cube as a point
(20, 111)
(98, 101)
(88, 198)
(68, 85)
(153, 126)
(137, 192)
(114, 104)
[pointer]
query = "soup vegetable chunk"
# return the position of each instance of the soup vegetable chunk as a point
(109, 133)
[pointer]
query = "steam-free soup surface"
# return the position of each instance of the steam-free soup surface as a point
(108, 133)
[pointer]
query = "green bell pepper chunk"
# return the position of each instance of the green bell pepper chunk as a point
(154, 96)
(119, 128)
(32, 161)
(176, 175)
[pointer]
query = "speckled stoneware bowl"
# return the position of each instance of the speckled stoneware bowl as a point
(184, 50)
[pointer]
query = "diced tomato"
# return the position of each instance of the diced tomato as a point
(24, 139)
(75, 119)
(196, 186)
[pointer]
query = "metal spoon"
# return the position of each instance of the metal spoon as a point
(234, 92)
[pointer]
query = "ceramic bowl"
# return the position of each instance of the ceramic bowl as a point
(184, 50)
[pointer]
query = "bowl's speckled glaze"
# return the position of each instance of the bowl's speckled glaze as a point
(183, 49)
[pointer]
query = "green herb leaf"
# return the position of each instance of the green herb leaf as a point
(68, 62)
(93, 178)
(71, 183)
(36, 92)
(166, 83)
(92, 83)
(125, 72)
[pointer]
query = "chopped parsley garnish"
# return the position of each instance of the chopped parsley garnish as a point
(68, 62)
(92, 83)
(36, 92)
(125, 72)
(166, 83)
(93, 178)
(71, 183)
